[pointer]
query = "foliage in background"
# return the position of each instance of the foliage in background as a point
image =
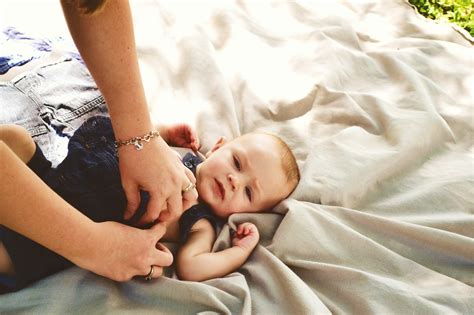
(460, 12)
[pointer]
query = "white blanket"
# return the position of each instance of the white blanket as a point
(376, 103)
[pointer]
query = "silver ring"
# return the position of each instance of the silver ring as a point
(190, 187)
(149, 276)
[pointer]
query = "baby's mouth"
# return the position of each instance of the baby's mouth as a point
(220, 189)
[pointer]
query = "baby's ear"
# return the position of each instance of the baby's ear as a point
(216, 146)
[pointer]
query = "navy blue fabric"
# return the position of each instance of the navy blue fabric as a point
(7, 283)
(89, 179)
(194, 214)
(191, 161)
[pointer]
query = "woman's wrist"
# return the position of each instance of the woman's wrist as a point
(138, 141)
(85, 252)
(128, 130)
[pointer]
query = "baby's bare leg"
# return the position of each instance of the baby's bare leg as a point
(6, 265)
(18, 140)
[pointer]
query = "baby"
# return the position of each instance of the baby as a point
(251, 173)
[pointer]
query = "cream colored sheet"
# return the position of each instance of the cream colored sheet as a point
(377, 104)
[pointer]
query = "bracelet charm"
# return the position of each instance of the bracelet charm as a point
(137, 141)
(138, 145)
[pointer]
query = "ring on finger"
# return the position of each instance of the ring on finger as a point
(190, 187)
(149, 276)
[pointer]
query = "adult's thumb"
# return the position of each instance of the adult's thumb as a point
(158, 230)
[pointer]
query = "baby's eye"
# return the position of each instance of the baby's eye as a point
(249, 193)
(237, 163)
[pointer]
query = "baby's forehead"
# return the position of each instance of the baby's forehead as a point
(258, 141)
(259, 150)
(266, 165)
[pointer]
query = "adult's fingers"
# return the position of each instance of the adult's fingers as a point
(132, 194)
(164, 258)
(175, 206)
(157, 230)
(190, 175)
(174, 202)
(190, 195)
(154, 207)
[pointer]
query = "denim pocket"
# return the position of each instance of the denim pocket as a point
(51, 103)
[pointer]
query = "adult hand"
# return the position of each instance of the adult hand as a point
(157, 170)
(189, 199)
(123, 252)
(184, 136)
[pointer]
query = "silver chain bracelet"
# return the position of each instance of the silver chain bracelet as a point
(137, 141)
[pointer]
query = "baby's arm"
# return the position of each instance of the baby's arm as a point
(196, 262)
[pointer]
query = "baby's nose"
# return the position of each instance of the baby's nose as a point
(234, 181)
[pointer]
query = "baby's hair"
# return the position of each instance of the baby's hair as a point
(288, 161)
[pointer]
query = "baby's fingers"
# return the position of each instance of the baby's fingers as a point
(248, 229)
(243, 228)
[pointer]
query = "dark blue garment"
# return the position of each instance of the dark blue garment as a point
(89, 179)
(194, 214)
(191, 161)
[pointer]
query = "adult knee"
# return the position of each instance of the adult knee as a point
(18, 140)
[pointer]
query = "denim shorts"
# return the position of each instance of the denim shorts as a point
(51, 102)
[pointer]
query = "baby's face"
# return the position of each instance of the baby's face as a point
(244, 175)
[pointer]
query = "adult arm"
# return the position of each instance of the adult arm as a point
(196, 262)
(29, 207)
(107, 45)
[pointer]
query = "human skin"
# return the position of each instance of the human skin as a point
(110, 249)
(248, 172)
(195, 259)
(244, 175)
(107, 45)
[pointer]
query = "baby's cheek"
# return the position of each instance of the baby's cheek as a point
(221, 211)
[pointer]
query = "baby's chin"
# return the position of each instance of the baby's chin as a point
(205, 196)
(220, 213)
(202, 196)
(216, 210)
(210, 202)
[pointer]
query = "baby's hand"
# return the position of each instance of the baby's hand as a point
(180, 135)
(246, 236)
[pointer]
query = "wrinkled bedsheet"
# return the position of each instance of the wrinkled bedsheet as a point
(376, 103)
